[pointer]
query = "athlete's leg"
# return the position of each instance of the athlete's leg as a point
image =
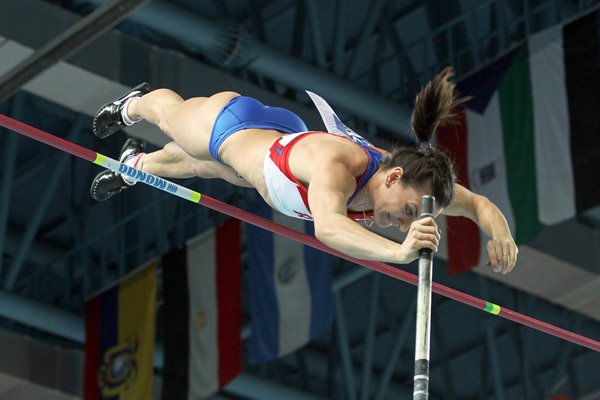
(189, 123)
(172, 162)
(169, 162)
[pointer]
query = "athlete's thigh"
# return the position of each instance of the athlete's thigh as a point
(215, 169)
(191, 123)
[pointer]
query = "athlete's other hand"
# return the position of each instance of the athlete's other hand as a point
(502, 254)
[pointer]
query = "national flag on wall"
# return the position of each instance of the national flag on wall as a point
(202, 314)
(529, 139)
(291, 295)
(120, 325)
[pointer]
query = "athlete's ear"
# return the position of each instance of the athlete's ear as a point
(394, 175)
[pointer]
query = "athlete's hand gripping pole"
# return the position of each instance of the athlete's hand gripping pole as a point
(423, 329)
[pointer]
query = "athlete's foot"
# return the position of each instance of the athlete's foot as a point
(109, 118)
(108, 183)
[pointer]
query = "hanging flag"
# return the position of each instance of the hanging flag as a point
(120, 335)
(202, 314)
(581, 47)
(528, 139)
(291, 297)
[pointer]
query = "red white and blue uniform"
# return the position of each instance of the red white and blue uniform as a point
(290, 196)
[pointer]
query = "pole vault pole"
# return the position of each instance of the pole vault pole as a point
(269, 225)
(423, 328)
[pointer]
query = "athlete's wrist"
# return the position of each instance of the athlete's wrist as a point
(401, 255)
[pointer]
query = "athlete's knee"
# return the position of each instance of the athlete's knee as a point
(158, 105)
(175, 153)
(165, 95)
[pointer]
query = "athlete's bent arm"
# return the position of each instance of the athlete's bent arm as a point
(502, 250)
(328, 192)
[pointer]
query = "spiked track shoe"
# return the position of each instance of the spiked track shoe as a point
(108, 119)
(108, 183)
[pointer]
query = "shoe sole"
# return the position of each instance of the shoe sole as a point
(94, 187)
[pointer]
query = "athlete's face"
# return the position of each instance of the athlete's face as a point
(396, 204)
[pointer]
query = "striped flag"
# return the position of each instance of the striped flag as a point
(120, 334)
(291, 296)
(529, 140)
(202, 309)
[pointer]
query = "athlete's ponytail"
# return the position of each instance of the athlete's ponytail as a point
(434, 106)
(424, 166)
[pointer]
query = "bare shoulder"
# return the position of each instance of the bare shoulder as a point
(324, 151)
(463, 202)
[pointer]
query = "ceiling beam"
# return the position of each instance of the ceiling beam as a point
(210, 38)
(316, 34)
(65, 44)
(36, 219)
(362, 45)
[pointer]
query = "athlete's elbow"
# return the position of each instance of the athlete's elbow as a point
(326, 231)
(321, 234)
(323, 231)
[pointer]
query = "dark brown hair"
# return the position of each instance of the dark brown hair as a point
(423, 165)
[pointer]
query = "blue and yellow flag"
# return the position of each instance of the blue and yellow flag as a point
(120, 336)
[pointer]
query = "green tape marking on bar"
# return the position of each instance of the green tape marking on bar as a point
(99, 159)
(492, 308)
(195, 197)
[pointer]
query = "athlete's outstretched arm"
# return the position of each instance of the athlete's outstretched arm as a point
(502, 250)
(327, 196)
